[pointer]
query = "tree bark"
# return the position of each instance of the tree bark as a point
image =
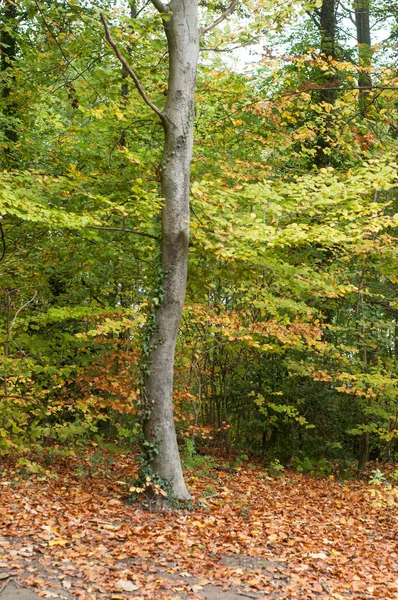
(364, 52)
(8, 47)
(327, 26)
(180, 22)
(364, 449)
(364, 446)
(182, 32)
(125, 86)
(328, 43)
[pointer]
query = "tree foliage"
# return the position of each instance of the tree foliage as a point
(288, 344)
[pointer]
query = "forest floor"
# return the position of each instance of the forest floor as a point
(67, 532)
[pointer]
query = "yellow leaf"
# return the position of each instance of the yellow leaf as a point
(199, 524)
(58, 542)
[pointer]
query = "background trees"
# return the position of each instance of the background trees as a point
(288, 341)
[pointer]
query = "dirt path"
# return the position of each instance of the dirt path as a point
(59, 581)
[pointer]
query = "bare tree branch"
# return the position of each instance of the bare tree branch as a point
(158, 4)
(129, 70)
(124, 230)
(19, 310)
(220, 19)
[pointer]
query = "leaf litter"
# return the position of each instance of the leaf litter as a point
(255, 537)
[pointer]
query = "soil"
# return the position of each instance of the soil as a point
(13, 592)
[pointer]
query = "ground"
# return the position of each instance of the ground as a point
(67, 532)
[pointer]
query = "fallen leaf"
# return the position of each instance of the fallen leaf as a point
(126, 585)
(58, 542)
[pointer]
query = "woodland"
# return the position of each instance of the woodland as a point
(199, 299)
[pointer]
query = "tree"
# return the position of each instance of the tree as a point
(362, 23)
(8, 48)
(180, 22)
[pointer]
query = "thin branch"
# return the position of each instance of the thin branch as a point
(122, 229)
(350, 15)
(387, 39)
(64, 55)
(138, 12)
(13, 322)
(3, 241)
(79, 74)
(231, 49)
(158, 4)
(129, 70)
(341, 89)
(220, 19)
(313, 16)
(84, 282)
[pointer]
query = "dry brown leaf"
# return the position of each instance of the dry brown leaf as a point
(126, 585)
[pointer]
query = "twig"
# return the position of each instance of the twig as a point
(316, 88)
(220, 19)
(134, 231)
(138, 12)
(2, 241)
(64, 55)
(229, 49)
(79, 74)
(20, 309)
(129, 70)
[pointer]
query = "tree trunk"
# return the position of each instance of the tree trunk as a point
(8, 49)
(125, 86)
(364, 446)
(364, 52)
(327, 26)
(182, 32)
(364, 449)
(328, 42)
